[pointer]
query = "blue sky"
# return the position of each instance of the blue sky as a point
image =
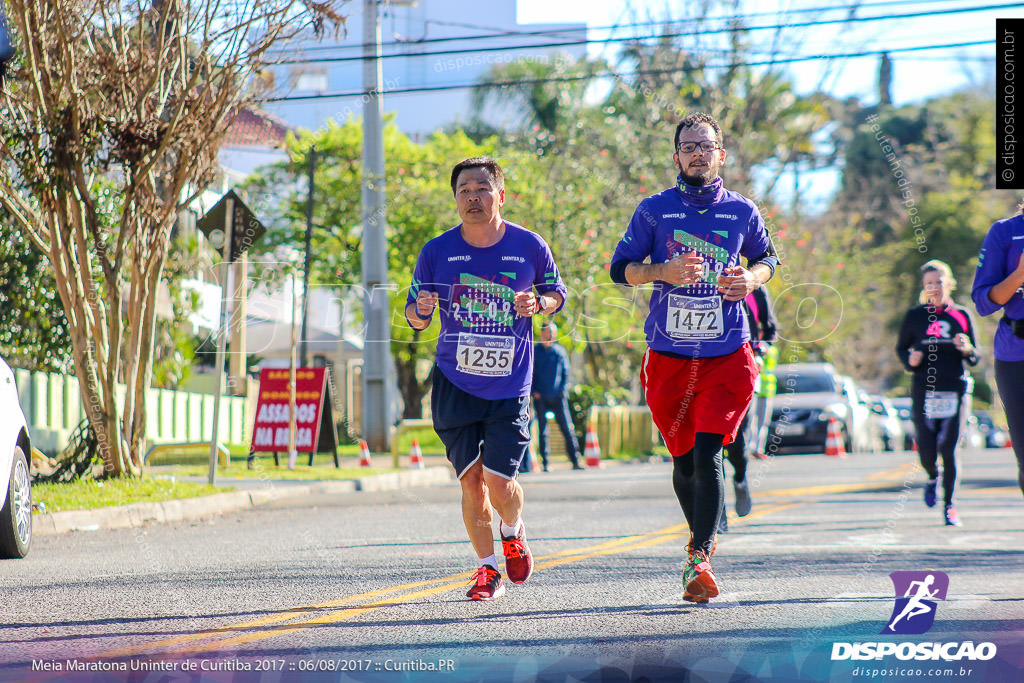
(917, 76)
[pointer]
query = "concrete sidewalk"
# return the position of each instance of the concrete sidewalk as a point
(249, 493)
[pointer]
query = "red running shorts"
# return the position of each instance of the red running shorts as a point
(693, 395)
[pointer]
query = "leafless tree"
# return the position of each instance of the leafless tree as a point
(111, 122)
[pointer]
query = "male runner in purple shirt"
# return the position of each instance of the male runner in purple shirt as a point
(488, 277)
(698, 372)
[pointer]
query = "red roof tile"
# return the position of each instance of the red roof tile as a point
(254, 128)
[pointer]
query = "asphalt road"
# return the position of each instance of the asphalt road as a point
(371, 586)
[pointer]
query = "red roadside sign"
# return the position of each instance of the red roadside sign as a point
(314, 425)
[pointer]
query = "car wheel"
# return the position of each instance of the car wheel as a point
(16, 514)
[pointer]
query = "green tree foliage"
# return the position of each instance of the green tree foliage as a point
(916, 185)
(419, 206)
(595, 160)
(33, 329)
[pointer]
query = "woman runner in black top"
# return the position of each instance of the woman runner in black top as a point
(935, 341)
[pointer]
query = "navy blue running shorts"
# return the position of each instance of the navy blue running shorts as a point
(472, 428)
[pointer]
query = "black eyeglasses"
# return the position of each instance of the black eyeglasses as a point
(705, 146)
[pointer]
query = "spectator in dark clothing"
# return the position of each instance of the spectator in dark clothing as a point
(550, 393)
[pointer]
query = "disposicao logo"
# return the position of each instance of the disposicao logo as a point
(916, 596)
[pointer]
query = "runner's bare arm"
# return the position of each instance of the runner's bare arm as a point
(528, 303)
(736, 282)
(419, 312)
(682, 270)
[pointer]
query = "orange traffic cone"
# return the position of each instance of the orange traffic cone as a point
(364, 454)
(416, 455)
(591, 448)
(834, 439)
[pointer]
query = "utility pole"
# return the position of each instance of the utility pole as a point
(223, 322)
(303, 354)
(376, 308)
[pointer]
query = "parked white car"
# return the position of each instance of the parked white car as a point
(15, 482)
(888, 419)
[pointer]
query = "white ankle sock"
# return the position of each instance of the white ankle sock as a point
(491, 561)
(513, 530)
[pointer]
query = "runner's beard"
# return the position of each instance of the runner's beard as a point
(703, 179)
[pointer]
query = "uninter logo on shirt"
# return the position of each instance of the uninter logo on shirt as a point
(730, 216)
(673, 215)
(464, 257)
(517, 259)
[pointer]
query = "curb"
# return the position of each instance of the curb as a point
(140, 514)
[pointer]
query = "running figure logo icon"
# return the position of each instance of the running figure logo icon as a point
(916, 596)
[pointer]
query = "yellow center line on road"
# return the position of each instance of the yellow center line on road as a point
(905, 468)
(272, 624)
(884, 479)
(997, 490)
(545, 562)
(292, 614)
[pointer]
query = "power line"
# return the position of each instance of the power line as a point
(611, 27)
(742, 29)
(645, 72)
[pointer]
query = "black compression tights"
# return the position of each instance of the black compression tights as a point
(698, 482)
(1010, 380)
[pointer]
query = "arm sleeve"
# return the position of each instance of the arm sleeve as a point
(636, 244)
(990, 271)
(767, 258)
(548, 279)
(905, 340)
(617, 271)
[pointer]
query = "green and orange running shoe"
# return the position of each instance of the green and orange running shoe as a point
(699, 584)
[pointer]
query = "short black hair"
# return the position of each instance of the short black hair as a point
(494, 171)
(695, 119)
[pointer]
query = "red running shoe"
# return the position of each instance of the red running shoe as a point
(518, 558)
(698, 579)
(487, 584)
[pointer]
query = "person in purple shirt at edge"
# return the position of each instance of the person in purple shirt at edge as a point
(698, 372)
(487, 277)
(550, 393)
(998, 283)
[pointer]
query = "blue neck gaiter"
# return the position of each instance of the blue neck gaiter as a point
(700, 195)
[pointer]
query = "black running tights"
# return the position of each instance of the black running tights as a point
(937, 437)
(736, 451)
(1010, 380)
(698, 482)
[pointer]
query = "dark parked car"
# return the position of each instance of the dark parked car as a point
(809, 396)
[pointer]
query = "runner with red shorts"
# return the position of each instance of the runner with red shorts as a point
(698, 372)
(487, 277)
